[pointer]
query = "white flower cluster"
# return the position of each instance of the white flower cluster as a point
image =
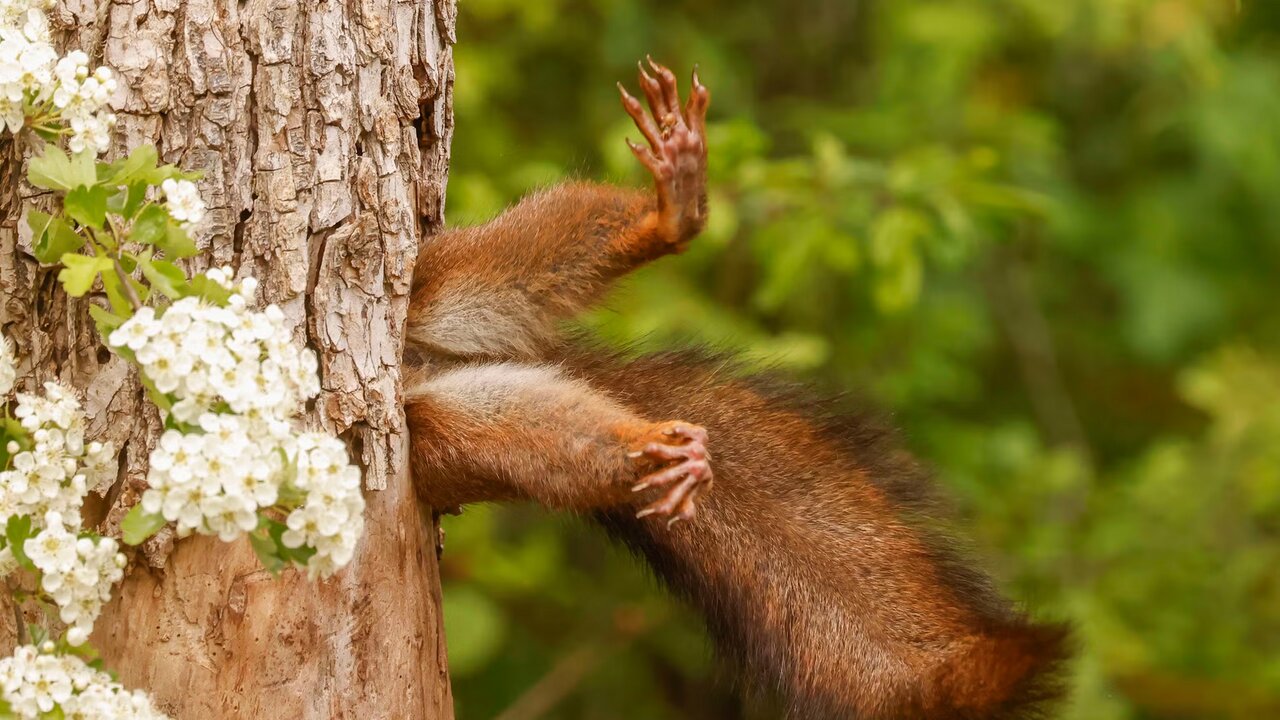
(332, 517)
(80, 98)
(239, 384)
(47, 483)
(26, 59)
(215, 482)
(11, 10)
(207, 356)
(56, 472)
(184, 201)
(8, 373)
(35, 682)
(33, 79)
(76, 572)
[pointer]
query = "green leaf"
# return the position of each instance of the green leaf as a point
(265, 547)
(291, 496)
(127, 200)
(152, 225)
(17, 531)
(895, 252)
(37, 633)
(165, 277)
(116, 295)
(129, 262)
(897, 288)
(12, 431)
(39, 223)
(297, 556)
(123, 172)
(158, 175)
(106, 321)
(80, 271)
(177, 243)
(87, 205)
(138, 525)
(56, 239)
(53, 170)
(209, 291)
(86, 652)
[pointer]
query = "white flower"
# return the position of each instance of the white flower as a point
(53, 550)
(136, 331)
(54, 473)
(80, 582)
(183, 199)
(202, 355)
(331, 517)
(100, 467)
(81, 98)
(32, 77)
(77, 635)
(58, 408)
(8, 373)
(11, 11)
(216, 482)
(34, 682)
(12, 115)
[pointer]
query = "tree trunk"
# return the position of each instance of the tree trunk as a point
(323, 131)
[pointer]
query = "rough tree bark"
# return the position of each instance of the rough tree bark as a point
(323, 131)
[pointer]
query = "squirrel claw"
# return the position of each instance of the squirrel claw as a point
(676, 155)
(686, 478)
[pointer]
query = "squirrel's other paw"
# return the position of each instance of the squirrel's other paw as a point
(677, 149)
(679, 449)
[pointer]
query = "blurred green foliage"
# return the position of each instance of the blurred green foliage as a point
(1044, 234)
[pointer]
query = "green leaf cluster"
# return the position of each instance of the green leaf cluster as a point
(106, 211)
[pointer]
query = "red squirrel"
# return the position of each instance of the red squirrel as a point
(799, 532)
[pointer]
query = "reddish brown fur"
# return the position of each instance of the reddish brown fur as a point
(505, 431)
(559, 265)
(819, 579)
(813, 559)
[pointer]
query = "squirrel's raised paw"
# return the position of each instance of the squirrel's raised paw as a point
(677, 149)
(684, 469)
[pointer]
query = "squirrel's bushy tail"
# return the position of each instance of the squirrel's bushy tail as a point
(1008, 672)
(815, 563)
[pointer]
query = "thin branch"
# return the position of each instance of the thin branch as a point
(128, 288)
(1017, 308)
(569, 672)
(556, 685)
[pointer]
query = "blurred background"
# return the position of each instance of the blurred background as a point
(1044, 235)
